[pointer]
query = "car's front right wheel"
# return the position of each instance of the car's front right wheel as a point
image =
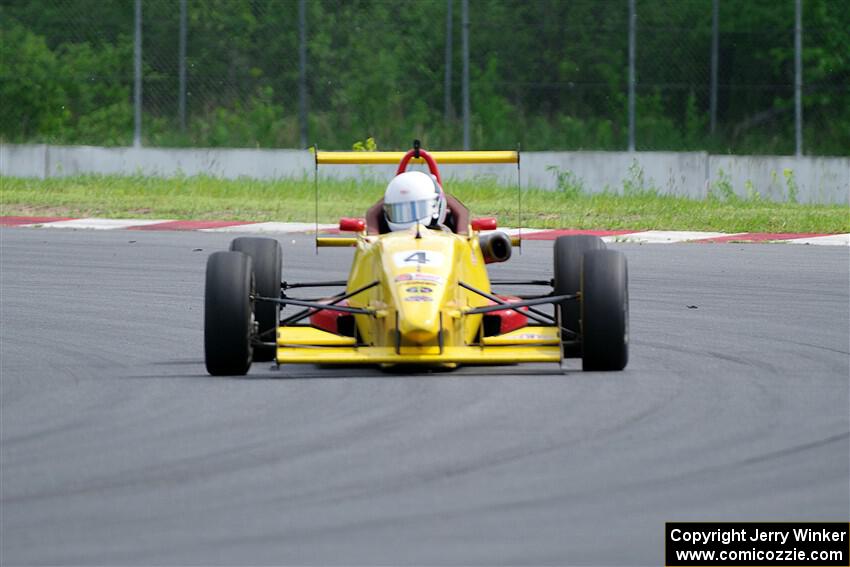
(568, 253)
(604, 310)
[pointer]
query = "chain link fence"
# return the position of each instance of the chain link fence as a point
(548, 74)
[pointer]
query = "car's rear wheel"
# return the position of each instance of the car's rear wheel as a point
(604, 310)
(568, 253)
(267, 260)
(228, 319)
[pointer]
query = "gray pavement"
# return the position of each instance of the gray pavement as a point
(117, 448)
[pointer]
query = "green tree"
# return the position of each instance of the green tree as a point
(33, 101)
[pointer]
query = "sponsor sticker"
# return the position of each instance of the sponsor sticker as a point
(419, 289)
(418, 298)
(419, 277)
(531, 336)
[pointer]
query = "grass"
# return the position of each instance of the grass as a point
(292, 200)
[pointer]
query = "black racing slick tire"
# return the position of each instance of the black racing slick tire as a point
(267, 260)
(228, 320)
(604, 310)
(568, 253)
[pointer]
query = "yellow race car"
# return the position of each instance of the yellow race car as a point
(417, 297)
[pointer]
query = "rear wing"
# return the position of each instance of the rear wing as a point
(393, 158)
(417, 156)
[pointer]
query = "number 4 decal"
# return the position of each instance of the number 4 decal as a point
(418, 257)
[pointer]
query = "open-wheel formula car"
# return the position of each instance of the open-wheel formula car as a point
(417, 297)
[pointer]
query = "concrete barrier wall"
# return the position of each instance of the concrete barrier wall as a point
(780, 178)
(692, 174)
(169, 162)
(675, 173)
(23, 161)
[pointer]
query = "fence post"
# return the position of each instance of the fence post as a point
(302, 70)
(447, 102)
(798, 75)
(632, 33)
(715, 46)
(181, 101)
(137, 77)
(465, 48)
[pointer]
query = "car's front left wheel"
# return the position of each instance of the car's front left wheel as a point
(266, 259)
(228, 314)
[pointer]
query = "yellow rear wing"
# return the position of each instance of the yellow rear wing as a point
(402, 159)
(393, 158)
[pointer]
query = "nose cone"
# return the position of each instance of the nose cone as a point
(418, 270)
(419, 332)
(419, 320)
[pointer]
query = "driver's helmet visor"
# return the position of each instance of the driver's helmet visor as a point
(410, 211)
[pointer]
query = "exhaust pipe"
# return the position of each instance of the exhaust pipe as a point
(495, 247)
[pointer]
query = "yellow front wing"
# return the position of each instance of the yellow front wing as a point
(308, 345)
(388, 355)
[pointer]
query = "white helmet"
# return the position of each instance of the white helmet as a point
(413, 197)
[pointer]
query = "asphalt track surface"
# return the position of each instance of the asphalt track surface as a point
(117, 448)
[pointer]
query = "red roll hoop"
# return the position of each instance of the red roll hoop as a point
(432, 165)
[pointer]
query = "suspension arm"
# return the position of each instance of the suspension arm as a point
(517, 304)
(533, 314)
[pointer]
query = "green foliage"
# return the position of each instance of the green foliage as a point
(634, 184)
(548, 74)
(791, 184)
(721, 189)
(752, 194)
(33, 102)
(367, 145)
(569, 184)
(258, 122)
(108, 125)
(100, 110)
(63, 95)
(695, 127)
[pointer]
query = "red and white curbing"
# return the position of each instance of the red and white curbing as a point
(641, 237)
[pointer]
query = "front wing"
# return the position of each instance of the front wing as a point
(308, 345)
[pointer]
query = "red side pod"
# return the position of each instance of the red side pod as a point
(327, 319)
(510, 319)
(432, 165)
